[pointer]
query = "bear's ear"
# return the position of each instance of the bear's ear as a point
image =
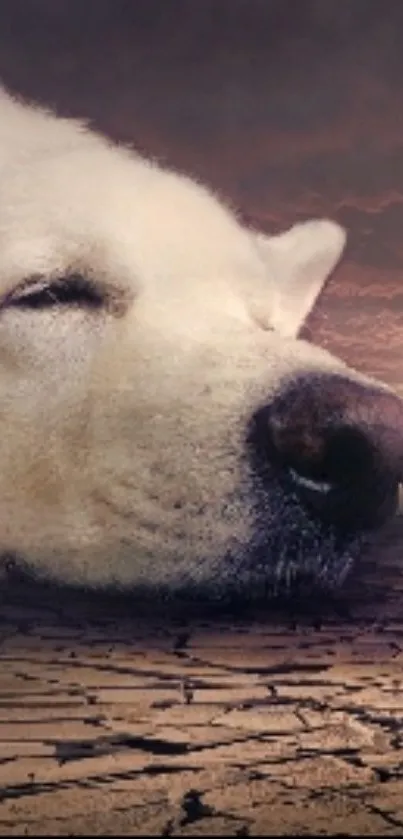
(299, 262)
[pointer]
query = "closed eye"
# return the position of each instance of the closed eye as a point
(40, 293)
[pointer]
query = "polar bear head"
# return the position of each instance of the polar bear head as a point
(162, 424)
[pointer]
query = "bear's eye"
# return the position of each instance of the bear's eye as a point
(40, 293)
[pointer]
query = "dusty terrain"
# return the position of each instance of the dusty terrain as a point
(115, 721)
(175, 727)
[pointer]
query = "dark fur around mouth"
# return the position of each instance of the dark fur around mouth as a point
(293, 556)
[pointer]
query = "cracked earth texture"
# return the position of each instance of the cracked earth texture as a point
(222, 726)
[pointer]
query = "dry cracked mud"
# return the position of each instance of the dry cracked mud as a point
(117, 724)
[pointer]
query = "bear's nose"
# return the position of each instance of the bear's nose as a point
(339, 444)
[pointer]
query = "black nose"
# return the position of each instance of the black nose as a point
(339, 446)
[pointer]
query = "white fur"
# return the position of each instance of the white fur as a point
(122, 431)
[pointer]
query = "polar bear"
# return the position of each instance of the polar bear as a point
(162, 425)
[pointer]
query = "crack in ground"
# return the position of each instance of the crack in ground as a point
(72, 750)
(384, 814)
(33, 788)
(195, 810)
(120, 669)
(388, 723)
(269, 670)
(69, 750)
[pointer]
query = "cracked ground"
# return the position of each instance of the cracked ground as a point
(113, 722)
(130, 726)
